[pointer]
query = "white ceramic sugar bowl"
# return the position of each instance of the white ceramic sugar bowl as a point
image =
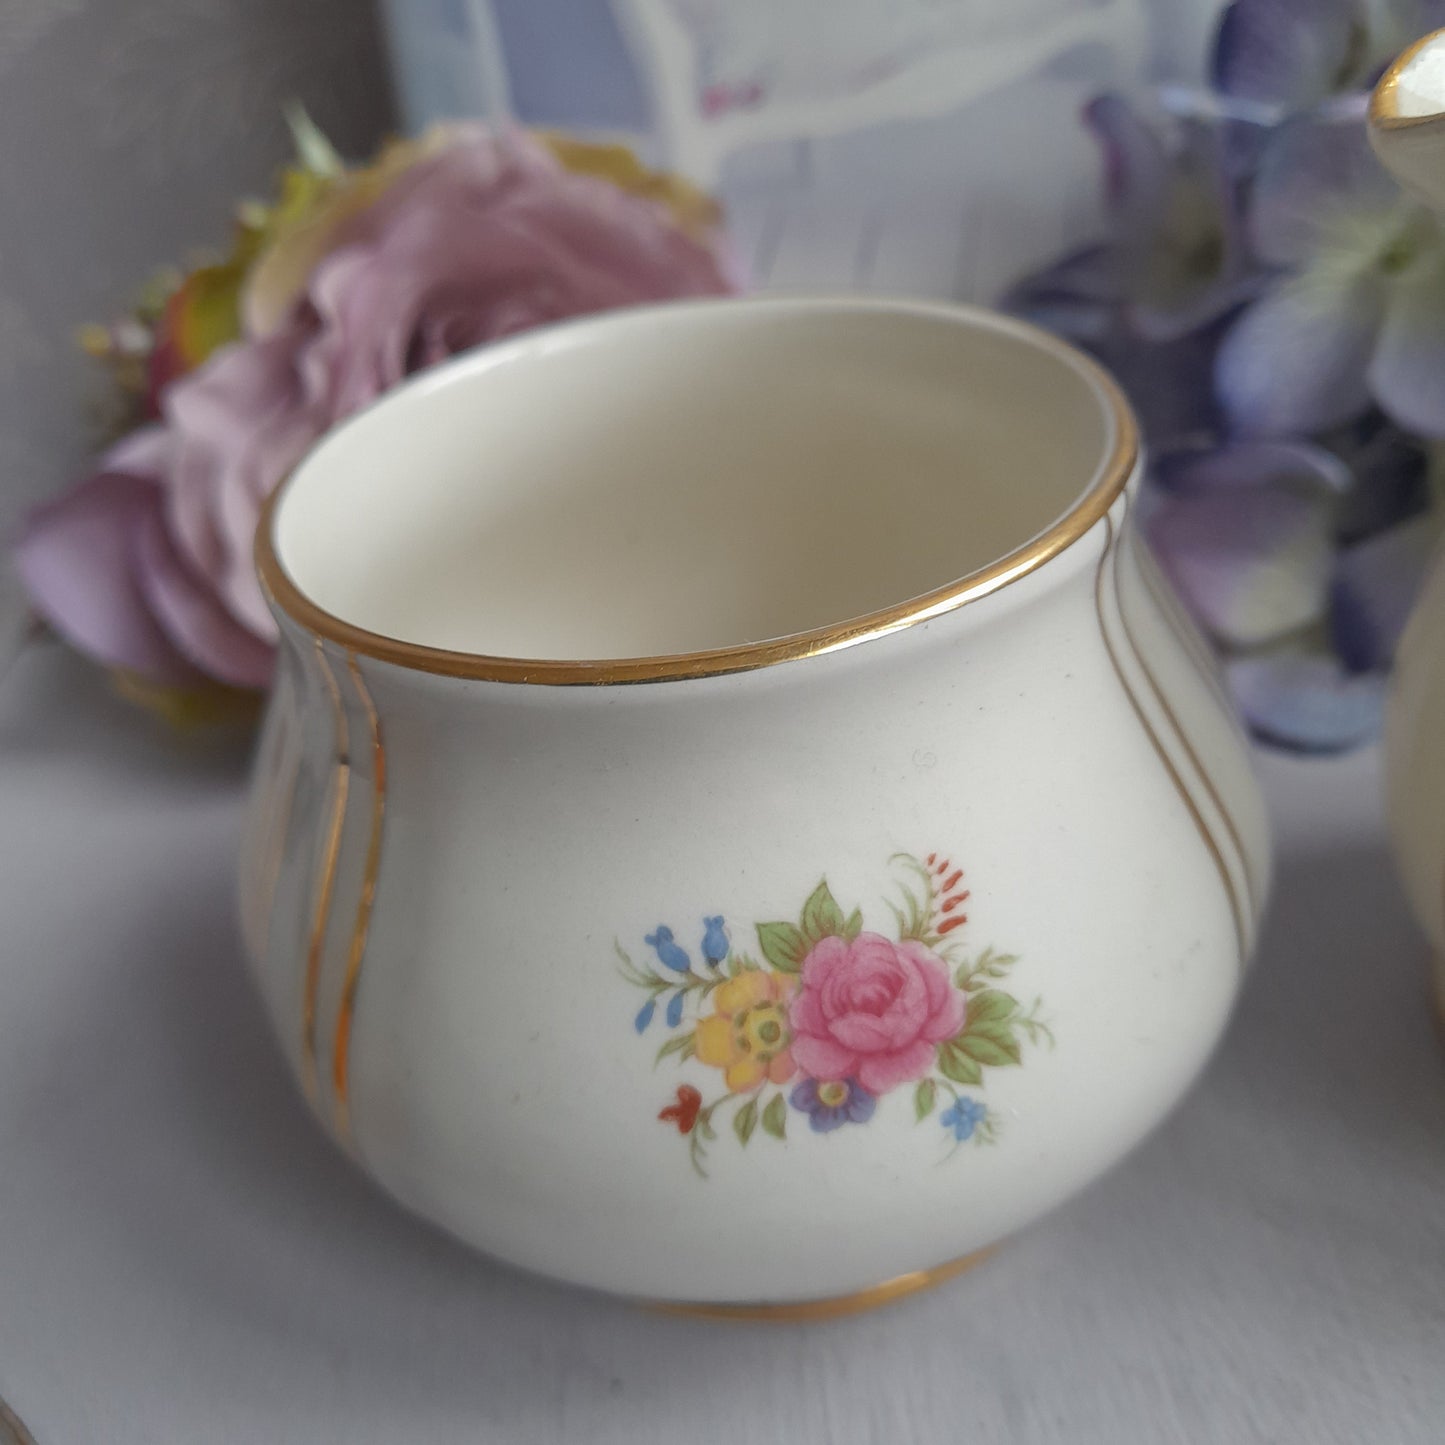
(741, 821)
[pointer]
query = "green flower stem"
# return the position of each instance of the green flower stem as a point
(697, 1145)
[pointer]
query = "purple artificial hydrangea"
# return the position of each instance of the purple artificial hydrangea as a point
(1297, 55)
(1275, 306)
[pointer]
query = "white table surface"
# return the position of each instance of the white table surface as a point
(184, 1260)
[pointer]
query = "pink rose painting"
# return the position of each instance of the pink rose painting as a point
(832, 1019)
(873, 1010)
(351, 283)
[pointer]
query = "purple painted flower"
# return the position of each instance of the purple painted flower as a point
(1359, 316)
(1293, 55)
(830, 1104)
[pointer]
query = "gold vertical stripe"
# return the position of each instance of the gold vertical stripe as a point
(1215, 796)
(331, 850)
(341, 1053)
(278, 823)
(1162, 591)
(276, 853)
(261, 828)
(1237, 909)
(1205, 835)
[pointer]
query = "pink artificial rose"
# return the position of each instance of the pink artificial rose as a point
(147, 565)
(873, 1010)
(102, 564)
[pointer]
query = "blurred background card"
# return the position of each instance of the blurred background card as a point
(926, 146)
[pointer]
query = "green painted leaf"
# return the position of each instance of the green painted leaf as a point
(990, 1004)
(954, 1064)
(822, 918)
(775, 1117)
(1000, 1030)
(783, 946)
(990, 1047)
(853, 924)
(923, 1099)
(682, 1044)
(704, 1125)
(745, 1121)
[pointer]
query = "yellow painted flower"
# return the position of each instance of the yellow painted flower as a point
(747, 1035)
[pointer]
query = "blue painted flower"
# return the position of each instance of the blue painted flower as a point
(715, 943)
(644, 1015)
(831, 1104)
(671, 955)
(963, 1117)
(674, 1009)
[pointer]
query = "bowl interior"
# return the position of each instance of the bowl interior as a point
(693, 477)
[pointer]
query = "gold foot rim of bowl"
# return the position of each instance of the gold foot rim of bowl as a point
(807, 1311)
(12, 1428)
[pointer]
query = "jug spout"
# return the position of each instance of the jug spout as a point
(1407, 119)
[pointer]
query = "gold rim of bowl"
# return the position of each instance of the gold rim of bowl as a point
(1383, 100)
(1108, 482)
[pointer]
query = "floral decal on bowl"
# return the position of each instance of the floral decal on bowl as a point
(834, 1017)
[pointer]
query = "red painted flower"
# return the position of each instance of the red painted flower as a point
(684, 1112)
